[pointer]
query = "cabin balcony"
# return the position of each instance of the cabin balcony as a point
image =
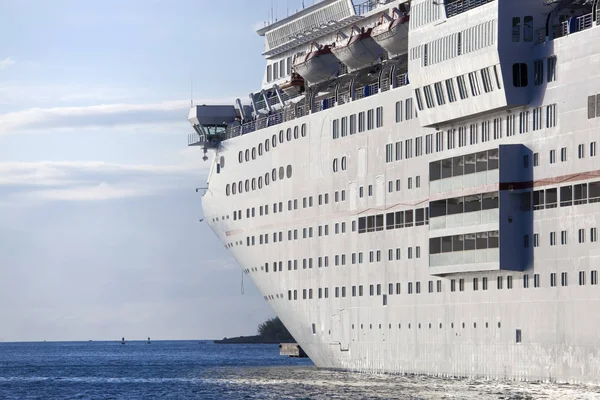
(570, 27)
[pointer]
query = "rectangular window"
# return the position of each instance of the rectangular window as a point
(419, 99)
(379, 117)
(450, 90)
(439, 94)
(370, 119)
(538, 72)
(487, 80)
(361, 121)
(551, 69)
(462, 87)
(344, 126)
(474, 83)
(353, 124)
(399, 111)
(525, 281)
(428, 96)
(581, 278)
(516, 29)
(591, 106)
(484, 283)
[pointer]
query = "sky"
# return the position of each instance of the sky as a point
(100, 235)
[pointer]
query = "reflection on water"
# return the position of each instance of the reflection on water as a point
(187, 370)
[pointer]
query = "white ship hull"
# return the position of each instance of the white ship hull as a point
(501, 282)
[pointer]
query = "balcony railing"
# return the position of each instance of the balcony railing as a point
(582, 23)
(368, 6)
(461, 6)
(279, 117)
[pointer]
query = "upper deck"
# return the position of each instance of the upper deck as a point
(315, 21)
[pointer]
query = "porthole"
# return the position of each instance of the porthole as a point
(260, 182)
(361, 326)
(474, 324)
(233, 188)
(295, 132)
(289, 171)
(390, 327)
(260, 149)
(303, 130)
(227, 189)
(281, 173)
(267, 145)
(452, 325)
(288, 134)
(274, 174)
(254, 153)
(280, 136)
(440, 325)
(408, 326)
(247, 155)
(241, 157)
(463, 325)
(267, 180)
(247, 186)
(253, 183)
(222, 162)
(499, 325)
(399, 326)
(240, 186)
(344, 163)
(274, 141)
(486, 324)
(335, 165)
(430, 325)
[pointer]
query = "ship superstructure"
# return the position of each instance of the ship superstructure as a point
(415, 186)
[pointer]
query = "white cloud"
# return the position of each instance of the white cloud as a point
(7, 62)
(93, 181)
(105, 115)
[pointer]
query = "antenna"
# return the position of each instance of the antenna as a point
(192, 90)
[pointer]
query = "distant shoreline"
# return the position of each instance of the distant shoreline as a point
(257, 339)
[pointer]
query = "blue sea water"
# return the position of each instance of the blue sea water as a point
(197, 370)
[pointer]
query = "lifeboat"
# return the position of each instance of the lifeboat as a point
(317, 65)
(294, 86)
(392, 32)
(357, 51)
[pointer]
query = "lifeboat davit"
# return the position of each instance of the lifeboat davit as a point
(357, 51)
(392, 33)
(318, 65)
(294, 86)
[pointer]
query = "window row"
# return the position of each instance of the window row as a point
(372, 256)
(259, 150)
(254, 183)
(340, 163)
(464, 165)
(564, 237)
(464, 204)
(456, 285)
(307, 202)
(279, 69)
(470, 241)
(466, 85)
(394, 220)
(357, 123)
(594, 106)
(582, 193)
(396, 185)
(538, 71)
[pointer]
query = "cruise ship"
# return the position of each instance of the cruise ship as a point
(415, 187)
